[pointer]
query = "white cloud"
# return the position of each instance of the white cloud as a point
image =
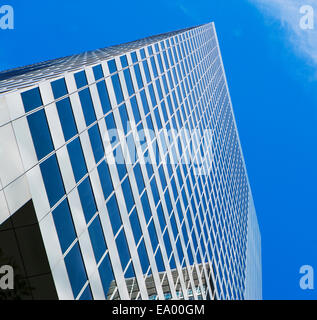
(289, 15)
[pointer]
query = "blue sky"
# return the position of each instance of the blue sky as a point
(271, 70)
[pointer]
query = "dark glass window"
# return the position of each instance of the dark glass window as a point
(105, 179)
(117, 88)
(104, 96)
(86, 295)
(158, 119)
(119, 158)
(128, 80)
(40, 134)
(138, 76)
(75, 269)
(87, 106)
(167, 243)
(152, 95)
(66, 117)
(135, 109)
(98, 73)
(64, 225)
(87, 199)
(153, 236)
(134, 57)
(124, 118)
(161, 217)
(144, 259)
(77, 159)
(112, 129)
(106, 275)
(124, 61)
(136, 227)
(114, 214)
(159, 261)
(96, 143)
(142, 52)
(147, 71)
(155, 191)
(139, 177)
(52, 180)
(31, 99)
(97, 239)
(146, 207)
(81, 79)
(159, 89)
(127, 193)
(59, 88)
(154, 67)
(123, 249)
(112, 66)
(144, 102)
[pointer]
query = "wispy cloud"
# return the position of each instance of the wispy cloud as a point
(288, 13)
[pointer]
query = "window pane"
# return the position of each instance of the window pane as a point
(135, 109)
(40, 134)
(117, 88)
(114, 214)
(128, 196)
(105, 179)
(81, 79)
(128, 80)
(75, 269)
(106, 276)
(66, 117)
(87, 199)
(136, 227)
(98, 73)
(52, 180)
(59, 88)
(96, 143)
(77, 159)
(123, 249)
(97, 239)
(64, 225)
(139, 177)
(104, 96)
(31, 99)
(87, 106)
(124, 61)
(112, 66)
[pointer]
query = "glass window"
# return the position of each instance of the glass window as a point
(114, 214)
(117, 88)
(146, 207)
(124, 61)
(104, 97)
(139, 177)
(152, 95)
(155, 191)
(87, 199)
(127, 193)
(77, 159)
(154, 67)
(52, 180)
(131, 148)
(160, 63)
(97, 239)
(40, 134)
(158, 119)
(159, 261)
(112, 130)
(159, 89)
(66, 117)
(75, 269)
(124, 118)
(87, 106)
(105, 179)
(144, 259)
(81, 79)
(98, 73)
(106, 276)
(112, 66)
(64, 225)
(135, 225)
(142, 52)
(123, 249)
(134, 57)
(144, 102)
(96, 143)
(135, 109)
(153, 235)
(86, 295)
(146, 71)
(161, 217)
(167, 243)
(31, 99)
(119, 158)
(59, 88)
(138, 76)
(128, 80)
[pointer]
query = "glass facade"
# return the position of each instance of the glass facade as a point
(133, 162)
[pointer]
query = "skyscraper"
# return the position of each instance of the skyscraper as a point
(122, 176)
